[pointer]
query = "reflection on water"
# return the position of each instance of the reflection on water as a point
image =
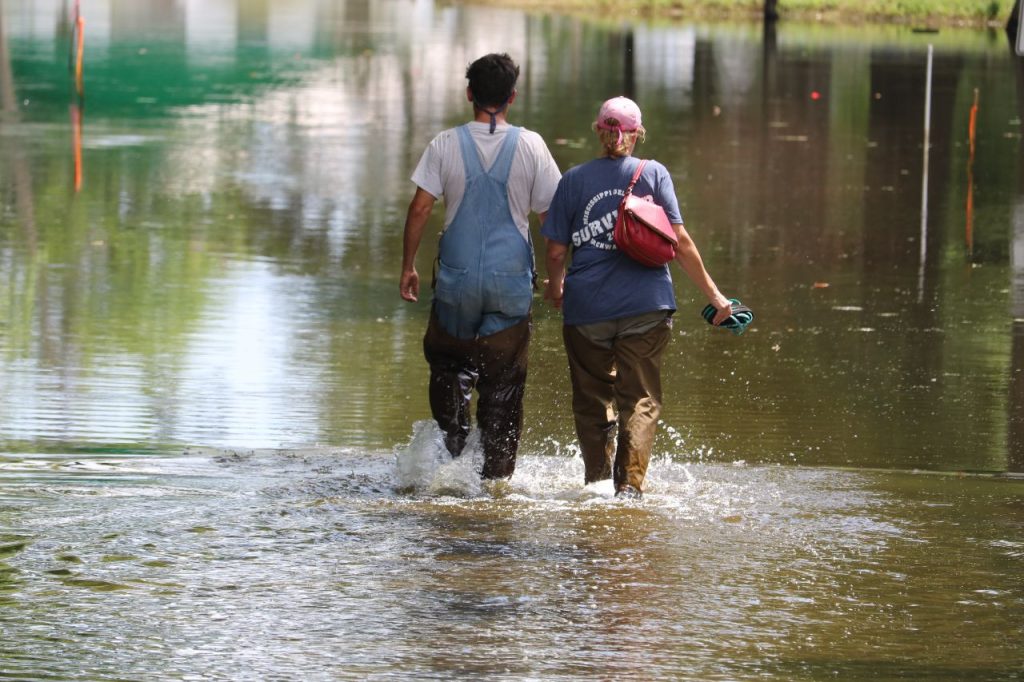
(226, 275)
(326, 564)
(213, 459)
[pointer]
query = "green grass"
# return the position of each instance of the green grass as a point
(917, 12)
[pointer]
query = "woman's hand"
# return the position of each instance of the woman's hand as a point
(554, 285)
(724, 308)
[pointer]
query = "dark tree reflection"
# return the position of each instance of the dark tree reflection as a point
(1015, 421)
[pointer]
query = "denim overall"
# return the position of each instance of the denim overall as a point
(480, 327)
(485, 276)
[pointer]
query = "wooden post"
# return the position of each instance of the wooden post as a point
(771, 12)
(629, 65)
(924, 175)
(8, 98)
(1015, 19)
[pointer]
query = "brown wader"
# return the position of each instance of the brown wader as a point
(496, 366)
(616, 367)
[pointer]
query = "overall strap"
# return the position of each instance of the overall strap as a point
(499, 170)
(636, 176)
(470, 155)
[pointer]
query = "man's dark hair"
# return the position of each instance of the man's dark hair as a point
(492, 79)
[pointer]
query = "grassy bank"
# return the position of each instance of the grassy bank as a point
(981, 13)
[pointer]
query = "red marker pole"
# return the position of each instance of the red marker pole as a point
(971, 129)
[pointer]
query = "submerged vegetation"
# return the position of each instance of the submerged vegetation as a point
(916, 12)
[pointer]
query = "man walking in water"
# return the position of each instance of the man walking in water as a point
(491, 175)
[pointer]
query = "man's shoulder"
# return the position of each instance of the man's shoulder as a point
(531, 135)
(445, 136)
(532, 138)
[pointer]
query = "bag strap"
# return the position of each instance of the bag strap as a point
(636, 176)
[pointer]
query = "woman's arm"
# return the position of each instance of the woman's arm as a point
(555, 262)
(692, 264)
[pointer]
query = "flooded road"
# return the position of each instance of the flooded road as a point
(214, 455)
(342, 565)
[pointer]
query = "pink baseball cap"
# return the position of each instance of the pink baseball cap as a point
(620, 114)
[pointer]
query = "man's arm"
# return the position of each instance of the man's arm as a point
(415, 220)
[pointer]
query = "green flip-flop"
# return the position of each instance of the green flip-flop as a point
(737, 323)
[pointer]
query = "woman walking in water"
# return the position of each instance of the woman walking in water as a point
(617, 312)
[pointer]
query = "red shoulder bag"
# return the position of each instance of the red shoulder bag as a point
(642, 230)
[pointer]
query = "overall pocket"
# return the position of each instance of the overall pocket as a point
(448, 287)
(513, 292)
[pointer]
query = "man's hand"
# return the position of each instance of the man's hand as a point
(553, 292)
(419, 211)
(409, 285)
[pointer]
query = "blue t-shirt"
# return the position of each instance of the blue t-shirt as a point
(602, 282)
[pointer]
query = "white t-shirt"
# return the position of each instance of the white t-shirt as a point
(531, 180)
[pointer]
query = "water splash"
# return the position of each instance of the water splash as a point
(425, 466)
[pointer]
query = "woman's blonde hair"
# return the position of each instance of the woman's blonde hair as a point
(617, 144)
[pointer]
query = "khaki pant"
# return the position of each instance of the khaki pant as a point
(495, 366)
(616, 394)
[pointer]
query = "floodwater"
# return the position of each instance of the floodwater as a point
(216, 459)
